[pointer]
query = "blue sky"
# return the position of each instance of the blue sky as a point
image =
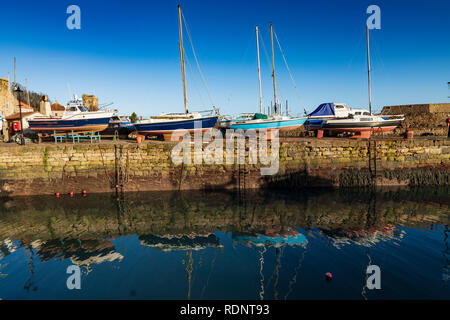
(127, 52)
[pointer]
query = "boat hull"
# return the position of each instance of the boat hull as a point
(62, 125)
(168, 127)
(282, 125)
(122, 129)
(373, 126)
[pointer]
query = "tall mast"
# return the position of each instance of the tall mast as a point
(273, 72)
(259, 69)
(368, 69)
(28, 92)
(182, 59)
(14, 72)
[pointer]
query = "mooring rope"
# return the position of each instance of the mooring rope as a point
(287, 67)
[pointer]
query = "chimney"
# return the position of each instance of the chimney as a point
(44, 106)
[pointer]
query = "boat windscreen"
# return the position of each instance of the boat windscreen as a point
(260, 116)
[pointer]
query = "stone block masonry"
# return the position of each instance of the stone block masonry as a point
(304, 162)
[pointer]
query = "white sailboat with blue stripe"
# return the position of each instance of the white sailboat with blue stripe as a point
(166, 123)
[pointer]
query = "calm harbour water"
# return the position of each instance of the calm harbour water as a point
(196, 245)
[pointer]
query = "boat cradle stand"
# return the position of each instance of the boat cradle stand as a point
(76, 136)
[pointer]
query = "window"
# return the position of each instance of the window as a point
(366, 113)
(357, 113)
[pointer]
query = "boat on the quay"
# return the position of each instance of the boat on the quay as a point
(76, 117)
(337, 117)
(118, 125)
(280, 122)
(260, 121)
(166, 123)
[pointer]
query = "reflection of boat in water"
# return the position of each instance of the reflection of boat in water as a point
(83, 253)
(366, 238)
(290, 238)
(180, 242)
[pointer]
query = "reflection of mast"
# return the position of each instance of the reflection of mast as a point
(363, 292)
(294, 278)
(277, 272)
(370, 222)
(210, 272)
(29, 283)
(446, 269)
(189, 273)
(261, 265)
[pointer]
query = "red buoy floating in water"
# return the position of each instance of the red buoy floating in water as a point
(57, 194)
(117, 186)
(328, 276)
(118, 199)
(71, 193)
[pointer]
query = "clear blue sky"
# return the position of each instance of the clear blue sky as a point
(127, 52)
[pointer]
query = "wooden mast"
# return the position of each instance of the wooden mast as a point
(368, 69)
(14, 73)
(259, 69)
(28, 92)
(182, 59)
(273, 72)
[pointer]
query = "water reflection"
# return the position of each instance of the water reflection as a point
(216, 245)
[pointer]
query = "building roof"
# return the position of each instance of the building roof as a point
(57, 107)
(16, 116)
(23, 105)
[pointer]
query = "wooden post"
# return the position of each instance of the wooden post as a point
(182, 59)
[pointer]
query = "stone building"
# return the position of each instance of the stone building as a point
(57, 110)
(8, 103)
(90, 101)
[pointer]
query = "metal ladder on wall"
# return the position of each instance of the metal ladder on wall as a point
(242, 174)
(121, 168)
(372, 151)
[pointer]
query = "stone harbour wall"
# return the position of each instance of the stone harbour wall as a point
(303, 162)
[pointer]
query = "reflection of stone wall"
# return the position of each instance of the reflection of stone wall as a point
(50, 168)
(196, 213)
(7, 100)
(90, 101)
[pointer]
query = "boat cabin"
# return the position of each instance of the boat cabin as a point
(336, 110)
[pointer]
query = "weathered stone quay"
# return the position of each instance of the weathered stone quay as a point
(303, 162)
